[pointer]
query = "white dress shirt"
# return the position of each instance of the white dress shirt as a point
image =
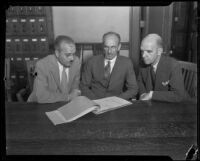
(155, 67)
(60, 71)
(150, 94)
(112, 62)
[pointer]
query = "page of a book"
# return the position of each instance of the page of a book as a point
(110, 103)
(73, 110)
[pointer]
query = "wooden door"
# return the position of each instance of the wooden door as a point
(180, 39)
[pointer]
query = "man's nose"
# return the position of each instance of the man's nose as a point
(71, 58)
(144, 54)
(109, 50)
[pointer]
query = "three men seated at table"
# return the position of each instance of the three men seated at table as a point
(108, 74)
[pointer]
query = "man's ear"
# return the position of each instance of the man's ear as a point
(160, 51)
(119, 47)
(56, 53)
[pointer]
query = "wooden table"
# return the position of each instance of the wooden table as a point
(143, 128)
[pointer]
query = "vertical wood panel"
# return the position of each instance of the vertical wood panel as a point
(159, 20)
(134, 36)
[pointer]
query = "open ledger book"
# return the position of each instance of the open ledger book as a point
(82, 105)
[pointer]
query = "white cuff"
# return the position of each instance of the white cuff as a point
(150, 94)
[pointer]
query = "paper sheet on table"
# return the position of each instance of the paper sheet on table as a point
(71, 111)
(110, 103)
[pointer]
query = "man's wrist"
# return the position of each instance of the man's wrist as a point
(142, 95)
(151, 94)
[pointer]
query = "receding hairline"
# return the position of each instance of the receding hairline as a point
(154, 37)
(63, 39)
(111, 34)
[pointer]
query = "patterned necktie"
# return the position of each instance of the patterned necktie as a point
(107, 70)
(64, 81)
(153, 76)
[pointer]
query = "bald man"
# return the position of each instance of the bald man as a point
(161, 78)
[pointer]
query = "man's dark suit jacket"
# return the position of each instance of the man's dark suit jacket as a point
(169, 85)
(94, 85)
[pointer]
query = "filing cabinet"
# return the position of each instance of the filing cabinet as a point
(17, 46)
(31, 10)
(9, 45)
(22, 10)
(12, 11)
(41, 25)
(29, 32)
(32, 26)
(43, 44)
(25, 45)
(26, 28)
(34, 45)
(15, 27)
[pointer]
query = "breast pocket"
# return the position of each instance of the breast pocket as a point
(165, 85)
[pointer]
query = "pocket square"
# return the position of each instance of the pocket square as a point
(165, 83)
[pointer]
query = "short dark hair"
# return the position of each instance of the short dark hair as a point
(112, 33)
(62, 38)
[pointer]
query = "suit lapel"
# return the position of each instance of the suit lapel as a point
(99, 72)
(100, 67)
(115, 70)
(160, 71)
(148, 78)
(70, 76)
(55, 71)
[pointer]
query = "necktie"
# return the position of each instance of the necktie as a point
(64, 81)
(153, 76)
(107, 70)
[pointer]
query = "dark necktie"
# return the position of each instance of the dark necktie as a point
(64, 81)
(107, 70)
(153, 76)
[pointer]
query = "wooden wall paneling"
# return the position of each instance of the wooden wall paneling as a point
(134, 36)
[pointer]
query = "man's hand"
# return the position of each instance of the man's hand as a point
(146, 96)
(74, 94)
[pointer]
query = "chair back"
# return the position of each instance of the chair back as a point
(97, 49)
(7, 80)
(30, 65)
(189, 71)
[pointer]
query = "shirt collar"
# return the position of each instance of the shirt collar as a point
(60, 66)
(155, 65)
(112, 60)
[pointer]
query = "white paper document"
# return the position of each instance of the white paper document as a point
(82, 105)
(110, 103)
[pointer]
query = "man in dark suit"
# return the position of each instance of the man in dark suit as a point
(161, 79)
(109, 74)
(58, 75)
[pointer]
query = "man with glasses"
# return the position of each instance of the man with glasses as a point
(57, 75)
(109, 74)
